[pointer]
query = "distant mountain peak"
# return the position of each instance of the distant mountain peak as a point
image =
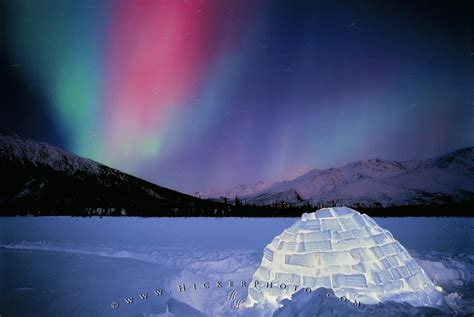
(234, 191)
(385, 182)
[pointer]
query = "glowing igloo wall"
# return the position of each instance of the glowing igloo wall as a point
(341, 249)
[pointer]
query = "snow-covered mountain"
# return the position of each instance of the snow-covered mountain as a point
(41, 179)
(447, 178)
(234, 191)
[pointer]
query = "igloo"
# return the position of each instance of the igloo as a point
(343, 250)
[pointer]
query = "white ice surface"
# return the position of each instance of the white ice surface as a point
(78, 266)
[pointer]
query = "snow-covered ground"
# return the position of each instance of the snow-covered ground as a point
(65, 266)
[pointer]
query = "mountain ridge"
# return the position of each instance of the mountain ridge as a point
(379, 182)
(42, 179)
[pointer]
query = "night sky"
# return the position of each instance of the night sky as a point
(199, 94)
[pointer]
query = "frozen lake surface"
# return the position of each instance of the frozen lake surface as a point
(68, 266)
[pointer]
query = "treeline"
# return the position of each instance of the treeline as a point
(208, 208)
(465, 209)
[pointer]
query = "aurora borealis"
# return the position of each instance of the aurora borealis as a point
(199, 94)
